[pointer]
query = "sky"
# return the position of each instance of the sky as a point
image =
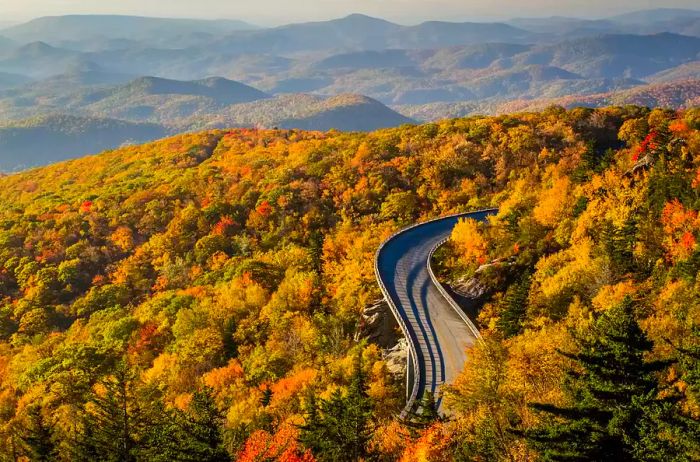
(273, 12)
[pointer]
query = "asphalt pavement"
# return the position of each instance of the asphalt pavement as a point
(438, 332)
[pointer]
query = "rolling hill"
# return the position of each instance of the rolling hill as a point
(363, 32)
(674, 95)
(146, 99)
(8, 80)
(45, 139)
(39, 59)
(52, 138)
(80, 29)
(308, 112)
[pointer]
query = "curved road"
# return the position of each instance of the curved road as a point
(438, 332)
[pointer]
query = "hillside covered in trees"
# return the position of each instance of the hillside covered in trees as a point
(198, 298)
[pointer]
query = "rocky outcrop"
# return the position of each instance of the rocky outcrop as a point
(378, 325)
(396, 358)
(472, 288)
(472, 292)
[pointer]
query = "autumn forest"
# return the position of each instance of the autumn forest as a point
(201, 298)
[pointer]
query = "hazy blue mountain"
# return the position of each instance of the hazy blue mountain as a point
(52, 138)
(687, 71)
(82, 28)
(439, 34)
(366, 60)
(611, 56)
(560, 25)
(77, 78)
(223, 91)
(352, 32)
(39, 59)
(6, 45)
(97, 70)
(655, 15)
(12, 80)
(359, 32)
(656, 21)
(145, 99)
(478, 56)
(170, 102)
(344, 112)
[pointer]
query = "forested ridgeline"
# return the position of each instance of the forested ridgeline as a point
(197, 298)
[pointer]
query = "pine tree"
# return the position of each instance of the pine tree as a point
(202, 439)
(690, 362)
(194, 435)
(619, 243)
(38, 439)
(511, 318)
(266, 397)
(115, 420)
(616, 412)
(338, 429)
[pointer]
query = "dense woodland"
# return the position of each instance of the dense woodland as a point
(197, 298)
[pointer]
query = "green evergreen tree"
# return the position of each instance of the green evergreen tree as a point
(266, 397)
(339, 429)
(619, 243)
(616, 412)
(38, 438)
(195, 435)
(115, 420)
(203, 439)
(514, 312)
(690, 362)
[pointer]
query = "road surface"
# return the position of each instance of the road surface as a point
(437, 333)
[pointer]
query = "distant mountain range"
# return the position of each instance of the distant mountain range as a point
(159, 75)
(681, 95)
(147, 108)
(97, 31)
(52, 138)
(670, 95)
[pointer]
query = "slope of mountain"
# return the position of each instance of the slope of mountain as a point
(674, 95)
(686, 71)
(50, 138)
(671, 95)
(53, 138)
(8, 80)
(169, 101)
(6, 44)
(222, 91)
(565, 26)
(359, 32)
(680, 21)
(613, 56)
(144, 99)
(85, 28)
(655, 15)
(75, 80)
(438, 34)
(39, 59)
(344, 112)
(477, 56)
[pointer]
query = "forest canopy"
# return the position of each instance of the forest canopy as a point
(197, 298)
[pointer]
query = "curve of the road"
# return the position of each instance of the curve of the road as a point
(436, 329)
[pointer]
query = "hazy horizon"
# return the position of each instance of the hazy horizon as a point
(275, 12)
